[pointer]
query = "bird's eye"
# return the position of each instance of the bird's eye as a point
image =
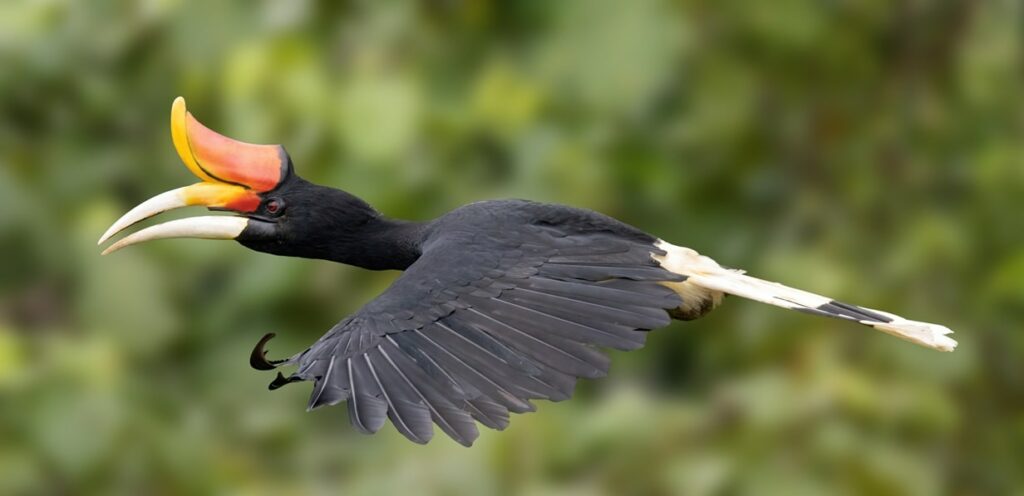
(274, 206)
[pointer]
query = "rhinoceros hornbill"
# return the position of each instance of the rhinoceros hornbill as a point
(500, 302)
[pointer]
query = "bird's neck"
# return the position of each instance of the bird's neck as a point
(382, 244)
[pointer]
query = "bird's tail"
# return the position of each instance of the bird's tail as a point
(704, 273)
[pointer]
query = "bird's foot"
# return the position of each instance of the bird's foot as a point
(258, 358)
(281, 380)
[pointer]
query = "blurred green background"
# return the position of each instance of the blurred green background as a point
(872, 151)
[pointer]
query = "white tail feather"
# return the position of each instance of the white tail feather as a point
(703, 272)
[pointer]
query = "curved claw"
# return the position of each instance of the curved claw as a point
(281, 380)
(258, 358)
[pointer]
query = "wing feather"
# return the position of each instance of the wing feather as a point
(628, 299)
(453, 421)
(569, 357)
(591, 272)
(367, 409)
(407, 413)
(482, 409)
(473, 375)
(488, 319)
(330, 389)
(601, 335)
(492, 365)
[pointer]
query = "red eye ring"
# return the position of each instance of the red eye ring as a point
(274, 206)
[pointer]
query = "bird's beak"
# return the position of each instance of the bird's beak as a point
(233, 173)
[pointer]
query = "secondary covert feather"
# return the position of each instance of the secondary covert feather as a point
(500, 302)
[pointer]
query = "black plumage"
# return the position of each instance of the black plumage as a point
(501, 303)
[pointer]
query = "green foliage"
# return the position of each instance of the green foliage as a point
(867, 150)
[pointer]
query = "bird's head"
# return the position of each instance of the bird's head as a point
(276, 211)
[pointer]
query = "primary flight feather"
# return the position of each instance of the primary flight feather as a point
(500, 302)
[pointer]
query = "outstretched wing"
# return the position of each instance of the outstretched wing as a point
(484, 322)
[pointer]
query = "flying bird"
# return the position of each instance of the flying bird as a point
(500, 302)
